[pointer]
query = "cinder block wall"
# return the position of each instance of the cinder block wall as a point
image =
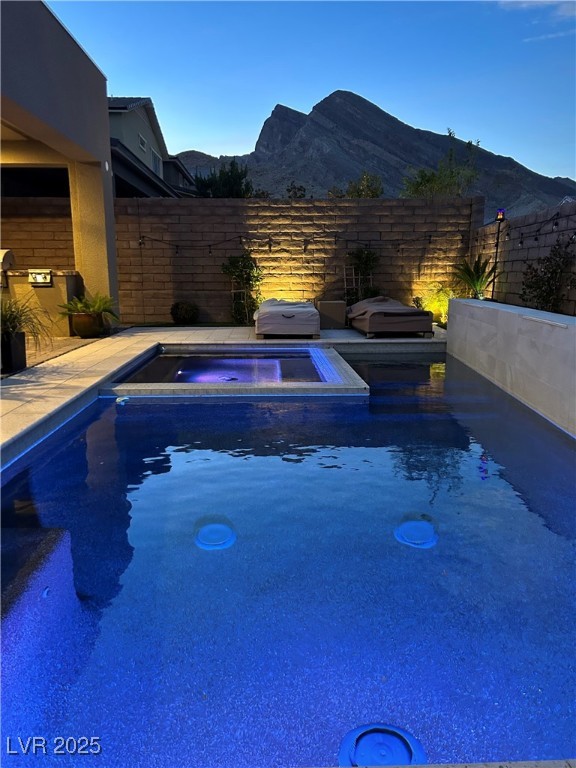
(171, 250)
(523, 240)
(39, 232)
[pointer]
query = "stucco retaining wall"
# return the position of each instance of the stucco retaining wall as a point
(529, 354)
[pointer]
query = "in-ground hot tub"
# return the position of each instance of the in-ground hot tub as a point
(180, 370)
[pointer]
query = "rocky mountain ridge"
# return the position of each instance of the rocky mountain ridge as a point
(345, 135)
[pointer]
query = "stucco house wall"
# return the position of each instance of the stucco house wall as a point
(54, 112)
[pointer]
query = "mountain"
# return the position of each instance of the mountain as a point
(345, 134)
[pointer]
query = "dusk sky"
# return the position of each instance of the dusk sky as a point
(502, 73)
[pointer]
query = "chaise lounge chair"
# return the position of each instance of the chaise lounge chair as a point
(278, 317)
(384, 315)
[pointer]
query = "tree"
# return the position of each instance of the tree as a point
(368, 185)
(295, 191)
(261, 194)
(336, 193)
(450, 179)
(231, 181)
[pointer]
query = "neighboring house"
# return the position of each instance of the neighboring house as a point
(140, 161)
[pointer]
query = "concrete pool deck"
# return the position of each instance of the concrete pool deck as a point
(41, 398)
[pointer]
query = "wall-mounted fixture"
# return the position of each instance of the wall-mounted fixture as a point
(39, 277)
(7, 258)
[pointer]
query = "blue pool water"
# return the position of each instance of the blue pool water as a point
(248, 365)
(304, 617)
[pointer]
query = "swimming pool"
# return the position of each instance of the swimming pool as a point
(316, 618)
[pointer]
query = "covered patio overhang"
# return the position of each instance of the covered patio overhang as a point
(55, 115)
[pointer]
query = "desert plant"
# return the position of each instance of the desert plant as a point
(18, 319)
(184, 312)
(435, 298)
(476, 276)
(246, 277)
(545, 282)
(19, 316)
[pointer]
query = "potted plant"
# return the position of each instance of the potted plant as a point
(89, 316)
(477, 277)
(19, 318)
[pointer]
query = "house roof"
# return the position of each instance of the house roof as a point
(128, 103)
(136, 174)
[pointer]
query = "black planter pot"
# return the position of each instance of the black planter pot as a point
(13, 352)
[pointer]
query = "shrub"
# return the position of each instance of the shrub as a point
(545, 282)
(184, 312)
(435, 299)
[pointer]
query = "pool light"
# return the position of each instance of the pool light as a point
(380, 744)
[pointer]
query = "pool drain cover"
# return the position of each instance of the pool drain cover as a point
(380, 745)
(416, 533)
(215, 536)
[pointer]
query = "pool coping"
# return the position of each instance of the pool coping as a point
(345, 382)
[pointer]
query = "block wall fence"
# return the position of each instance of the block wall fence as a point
(523, 240)
(170, 250)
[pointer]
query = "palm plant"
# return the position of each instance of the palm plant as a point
(97, 305)
(477, 277)
(90, 316)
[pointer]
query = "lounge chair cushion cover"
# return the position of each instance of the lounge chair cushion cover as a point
(381, 314)
(280, 317)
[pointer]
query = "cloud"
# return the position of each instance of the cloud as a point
(549, 36)
(560, 8)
